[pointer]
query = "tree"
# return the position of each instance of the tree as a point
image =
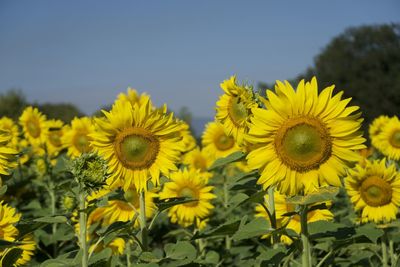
(62, 111)
(12, 103)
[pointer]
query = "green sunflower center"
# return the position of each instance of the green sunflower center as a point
(376, 192)
(132, 197)
(237, 111)
(224, 142)
(81, 142)
(200, 163)
(33, 128)
(303, 144)
(55, 138)
(395, 139)
(189, 193)
(136, 148)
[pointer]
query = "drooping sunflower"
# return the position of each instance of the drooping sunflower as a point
(304, 139)
(198, 159)
(216, 142)
(388, 140)
(138, 142)
(376, 127)
(77, 137)
(234, 108)
(189, 183)
(7, 154)
(54, 135)
(33, 124)
(374, 190)
(9, 126)
(9, 217)
(282, 208)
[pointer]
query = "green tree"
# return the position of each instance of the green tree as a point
(12, 103)
(62, 111)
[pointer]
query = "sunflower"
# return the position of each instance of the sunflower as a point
(198, 159)
(192, 184)
(188, 141)
(9, 217)
(216, 142)
(9, 126)
(54, 135)
(138, 142)
(133, 97)
(234, 108)
(376, 127)
(7, 154)
(304, 140)
(282, 208)
(374, 190)
(388, 140)
(33, 123)
(77, 137)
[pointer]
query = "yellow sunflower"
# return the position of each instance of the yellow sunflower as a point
(33, 124)
(7, 154)
(77, 137)
(374, 190)
(198, 159)
(133, 97)
(9, 126)
(9, 217)
(216, 142)
(188, 141)
(234, 108)
(388, 140)
(138, 142)
(291, 222)
(54, 135)
(376, 127)
(189, 183)
(304, 140)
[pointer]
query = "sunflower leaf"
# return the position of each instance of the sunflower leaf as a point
(323, 194)
(257, 227)
(225, 229)
(170, 202)
(235, 156)
(3, 190)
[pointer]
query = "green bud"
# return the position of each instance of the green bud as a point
(68, 203)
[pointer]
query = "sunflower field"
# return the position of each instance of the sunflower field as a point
(283, 177)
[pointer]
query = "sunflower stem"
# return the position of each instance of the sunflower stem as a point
(384, 252)
(306, 253)
(82, 227)
(271, 207)
(228, 241)
(393, 257)
(128, 254)
(143, 226)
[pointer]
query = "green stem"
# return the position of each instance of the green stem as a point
(53, 213)
(393, 257)
(384, 251)
(228, 241)
(143, 226)
(271, 207)
(128, 253)
(82, 227)
(306, 254)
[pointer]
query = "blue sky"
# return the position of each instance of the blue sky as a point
(86, 52)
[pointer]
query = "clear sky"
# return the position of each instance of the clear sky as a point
(86, 52)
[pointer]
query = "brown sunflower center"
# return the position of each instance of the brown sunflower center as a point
(81, 142)
(200, 163)
(303, 144)
(136, 148)
(375, 191)
(395, 139)
(33, 128)
(237, 111)
(224, 142)
(55, 138)
(189, 193)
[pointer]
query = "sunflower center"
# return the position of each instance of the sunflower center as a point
(190, 194)
(132, 197)
(200, 163)
(237, 111)
(81, 142)
(54, 138)
(303, 144)
(224, 142)
(395, 139)
(376, 192)
(33, 128)
(136, 148)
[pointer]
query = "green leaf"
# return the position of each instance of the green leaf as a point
(3, 190)
(104, 254)
(324, 194)
(272, 256)
(149, 257)
(323, 227)
(10, 257)
(221, 162)
(180, 251)
(116, 226)
(52, 219)
(57, 263)
(27, 227)
(6, 244)
(257, 227)
(369, 231)
(225, 229)
(165, 204)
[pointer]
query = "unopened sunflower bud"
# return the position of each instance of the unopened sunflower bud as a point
(90, 170)
(68, 203)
